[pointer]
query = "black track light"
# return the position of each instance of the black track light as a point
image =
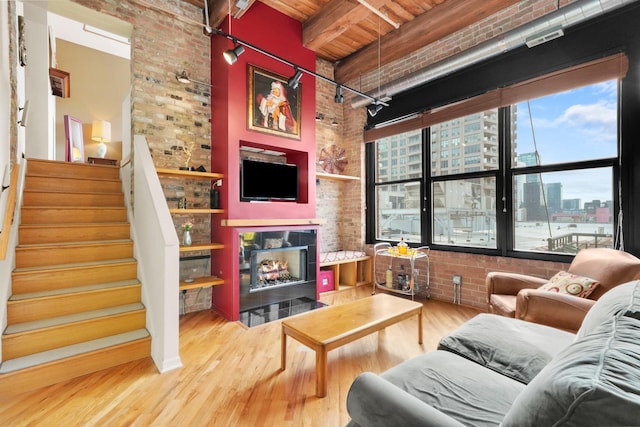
(373, 109)
(294, 81)
(339, 98)
(231, 55)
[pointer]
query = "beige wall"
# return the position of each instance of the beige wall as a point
(99, 84)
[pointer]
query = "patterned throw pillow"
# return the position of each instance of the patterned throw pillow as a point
(570, 284)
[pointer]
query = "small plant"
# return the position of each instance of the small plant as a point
(187, 226)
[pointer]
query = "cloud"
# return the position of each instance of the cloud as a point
(600, 113)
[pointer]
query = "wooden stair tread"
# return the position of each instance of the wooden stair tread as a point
(75, 178)
(76, 224)
(73, 265)
(91, 193)
(73, 244)
(71, 318)
(72, 350)
(72, 290)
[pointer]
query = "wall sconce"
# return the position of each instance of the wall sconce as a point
(183, 77)
(334, 122)
(319, 117)
(101, 131)
(231, 55)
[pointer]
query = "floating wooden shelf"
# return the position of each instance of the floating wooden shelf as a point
(177, 173)
(201, 247)
(195, 211)
(336, 177)
(201, 282)
(270, 222)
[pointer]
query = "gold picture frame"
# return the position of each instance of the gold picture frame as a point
(274, 106)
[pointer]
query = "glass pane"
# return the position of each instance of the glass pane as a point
(464, 212)
(399, 157)
(576, 125)
(463, 145)
(564, 211)
(398, 212)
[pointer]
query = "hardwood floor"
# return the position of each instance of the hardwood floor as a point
(231, 377)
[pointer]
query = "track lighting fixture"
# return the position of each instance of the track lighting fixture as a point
(231, 55)
(373, 109)
(339, 98)
(294, 81)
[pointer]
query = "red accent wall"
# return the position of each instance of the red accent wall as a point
(280, 35)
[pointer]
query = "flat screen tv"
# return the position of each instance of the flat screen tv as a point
(263, 181)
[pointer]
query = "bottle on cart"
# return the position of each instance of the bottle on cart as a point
(389, 278)
(402, 279)
(402, 247)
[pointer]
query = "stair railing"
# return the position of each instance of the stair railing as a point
(157, 251)
(9, 237)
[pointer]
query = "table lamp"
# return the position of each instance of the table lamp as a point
(101, 131)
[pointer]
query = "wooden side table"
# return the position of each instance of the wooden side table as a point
(101, 161)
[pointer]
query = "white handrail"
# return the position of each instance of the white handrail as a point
(157, 251)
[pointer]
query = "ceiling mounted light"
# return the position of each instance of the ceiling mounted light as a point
(231, 55)
(339, 98)
(183, 77)
(294, 81)
(373, 109)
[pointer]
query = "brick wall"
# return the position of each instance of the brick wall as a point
(350, 197)
(171, 115)
(472, 268)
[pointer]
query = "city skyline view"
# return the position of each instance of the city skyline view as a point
(575, 125)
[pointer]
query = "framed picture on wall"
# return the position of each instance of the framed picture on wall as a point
(74, 140)
(60, 83)
(274, 106)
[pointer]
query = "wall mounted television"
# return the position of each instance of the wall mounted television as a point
(264, 181)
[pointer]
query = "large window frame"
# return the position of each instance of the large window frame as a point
(614, 66)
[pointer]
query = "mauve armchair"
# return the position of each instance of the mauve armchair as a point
(517, 295)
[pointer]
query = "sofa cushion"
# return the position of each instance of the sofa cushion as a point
(594, 381)
(570, 284)
(617, 300)
(511, 347)
(456, 387)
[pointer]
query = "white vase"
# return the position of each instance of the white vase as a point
(186, 238)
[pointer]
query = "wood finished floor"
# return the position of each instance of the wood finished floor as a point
(231, 377)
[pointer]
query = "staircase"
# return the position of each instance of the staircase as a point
(76, 304)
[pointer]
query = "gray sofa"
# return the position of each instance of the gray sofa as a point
(495, 370)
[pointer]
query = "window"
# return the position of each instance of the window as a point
(397, 197)
(536, 176)
(565, 201)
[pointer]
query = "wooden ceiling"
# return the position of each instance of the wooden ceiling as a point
(347, 32)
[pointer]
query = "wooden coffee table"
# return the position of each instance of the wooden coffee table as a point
(330, 327)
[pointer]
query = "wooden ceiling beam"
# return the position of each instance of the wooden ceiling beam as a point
(219, 9)
(431, 26)
(334, 19)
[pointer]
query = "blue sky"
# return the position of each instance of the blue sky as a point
(580, 124)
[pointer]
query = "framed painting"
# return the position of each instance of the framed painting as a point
(60, 83)
(274, 106)
(74, 140)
